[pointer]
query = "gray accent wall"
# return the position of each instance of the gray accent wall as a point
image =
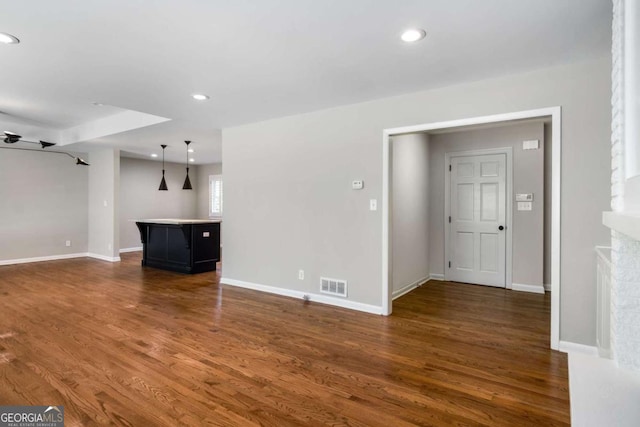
(43, 203)
(140, 197)
(528, 177)
(289, 205)
(409, 210)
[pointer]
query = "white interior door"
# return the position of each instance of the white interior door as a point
(477, 233)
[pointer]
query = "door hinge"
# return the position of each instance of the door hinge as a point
(449, 168)
(449, 264)
(449, 220)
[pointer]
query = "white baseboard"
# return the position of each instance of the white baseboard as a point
(572, 347)
(536, 289)
(344, 303)
(547, 287)
(125, 250)
(435, 276)
(408, 288)
(605, 353)
(104, 257)
(58, 257)
(42, 258)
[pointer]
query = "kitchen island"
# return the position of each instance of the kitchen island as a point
(182, 245)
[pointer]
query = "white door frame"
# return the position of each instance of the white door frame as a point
(508, 151)
(556, 121)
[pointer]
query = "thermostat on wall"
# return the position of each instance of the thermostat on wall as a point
(524, 197)
(357, 184)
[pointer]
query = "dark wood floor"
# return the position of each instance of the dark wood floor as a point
(122, 345)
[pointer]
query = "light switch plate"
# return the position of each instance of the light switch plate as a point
(373, 205)
(532, 144)
(524, 197)
(525, 206)
(358, 184)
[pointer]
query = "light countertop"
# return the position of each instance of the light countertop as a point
(178, 221)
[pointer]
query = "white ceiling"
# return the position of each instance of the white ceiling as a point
(259, 59)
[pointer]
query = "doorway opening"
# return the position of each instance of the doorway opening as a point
(553, 115)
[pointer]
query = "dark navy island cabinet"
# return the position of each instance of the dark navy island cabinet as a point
(185, 246)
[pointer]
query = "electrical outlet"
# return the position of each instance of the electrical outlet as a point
(301, 274)
(67, 243)
(109, 246)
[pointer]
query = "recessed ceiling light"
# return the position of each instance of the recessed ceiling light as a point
(190, 150)
(8, 39)
(200, 97)
(192, 160)
(154, 155)
(413, 35)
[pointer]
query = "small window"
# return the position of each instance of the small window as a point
(215, 196)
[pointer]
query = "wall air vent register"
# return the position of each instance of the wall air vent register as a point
(333, 286)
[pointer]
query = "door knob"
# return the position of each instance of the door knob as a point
(501, 228)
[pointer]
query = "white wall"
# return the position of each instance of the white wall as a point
(528, 177)
(140, 197)
(288, 202)
(202, 187)
(43, 203)
(410, 211)
(631, 99)
(625, 194)
(104, 181)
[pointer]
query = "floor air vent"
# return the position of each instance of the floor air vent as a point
(333, 286)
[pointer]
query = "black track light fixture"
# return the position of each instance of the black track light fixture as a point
(78, 160)
(46, 144)
(12, 138)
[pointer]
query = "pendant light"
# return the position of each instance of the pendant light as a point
(163, 183)
(187, 181)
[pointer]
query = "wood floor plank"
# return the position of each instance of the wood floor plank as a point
(119, 344)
